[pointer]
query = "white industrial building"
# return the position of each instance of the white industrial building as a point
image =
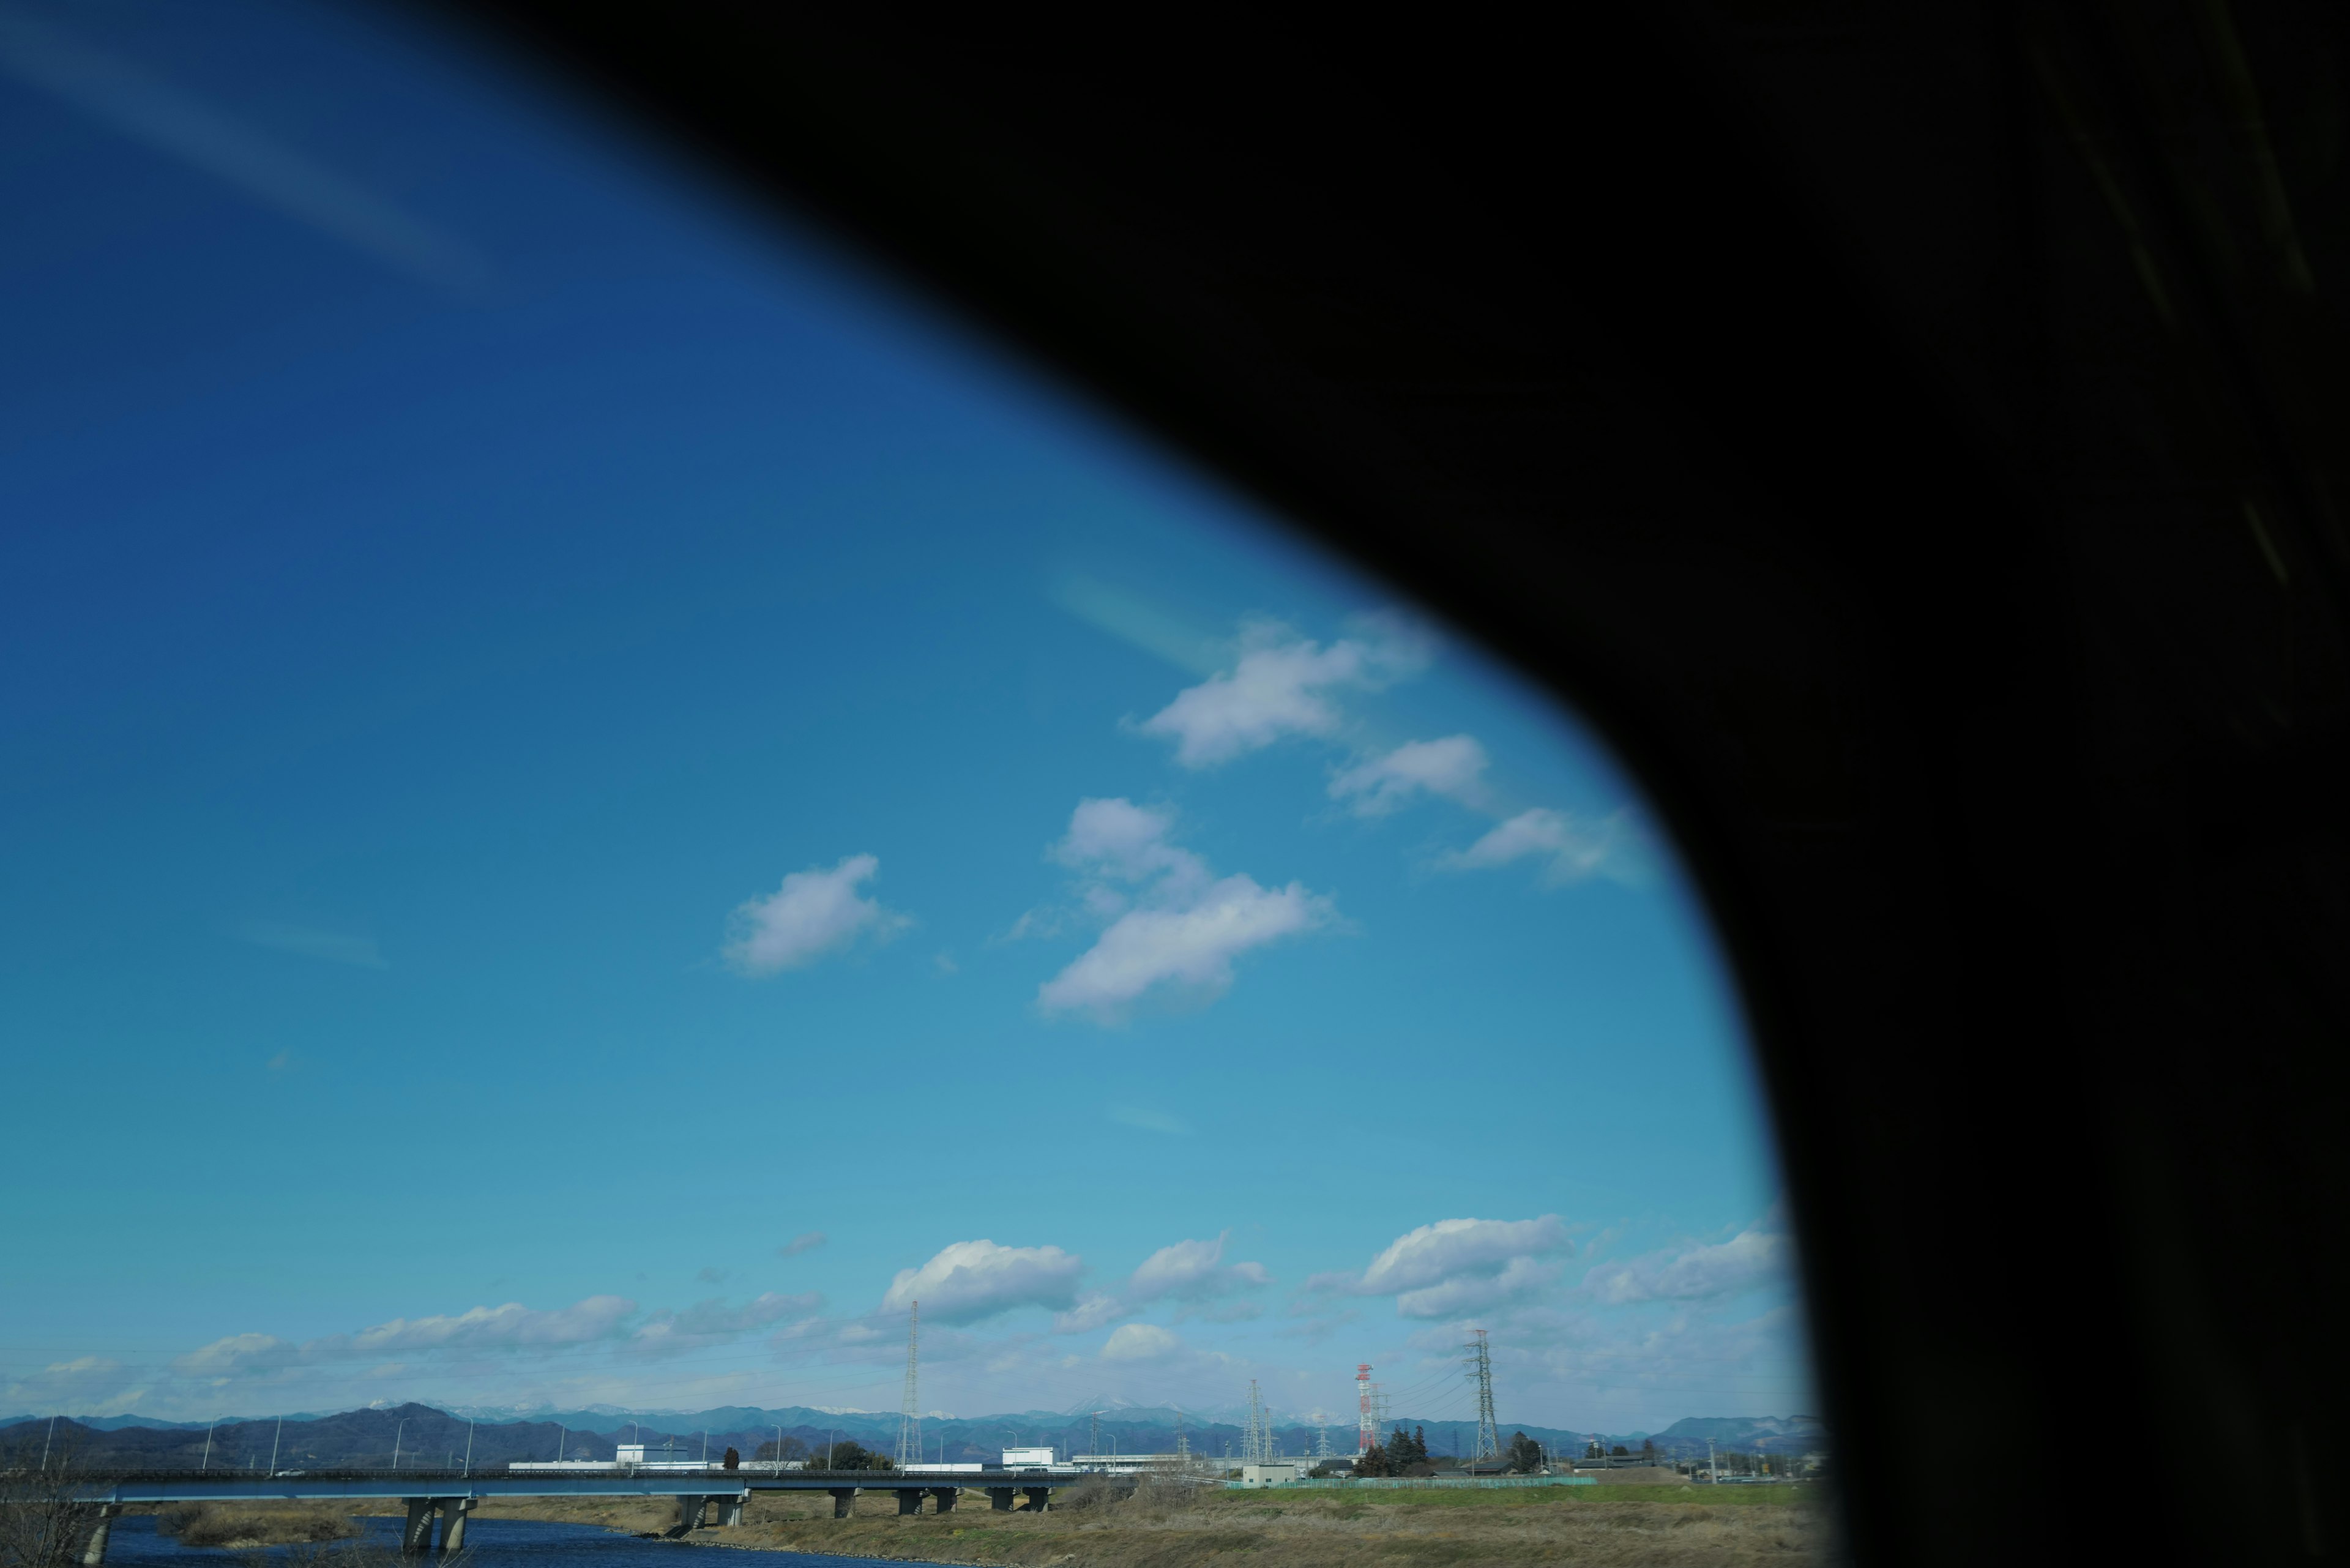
(1278, 1473)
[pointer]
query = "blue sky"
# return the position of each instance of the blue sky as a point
(594, 802)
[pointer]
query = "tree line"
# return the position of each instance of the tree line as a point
(1406, 1454)
(848, 1454)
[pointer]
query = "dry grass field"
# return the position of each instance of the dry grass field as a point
(1602, 1527)
(1676, 1527)
(237, 1526)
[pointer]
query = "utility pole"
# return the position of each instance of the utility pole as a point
(561, 1433)
(1182, 1441)
(1481, 1368)
(469, 1447)
(208, 1445)
(272, 1445)
(909, 1414)
(1093, 1434)
(44, 1444)
(1712, 1465)
(1367, 1423)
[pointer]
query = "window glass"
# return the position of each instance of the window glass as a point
(596, 804)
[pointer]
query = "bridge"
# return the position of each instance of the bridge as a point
(450, 1495)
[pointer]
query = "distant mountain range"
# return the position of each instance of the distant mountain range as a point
(425, 1437)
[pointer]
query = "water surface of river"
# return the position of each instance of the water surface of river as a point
(493, 1542)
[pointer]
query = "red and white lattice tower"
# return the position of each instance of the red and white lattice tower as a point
(1368, 1424)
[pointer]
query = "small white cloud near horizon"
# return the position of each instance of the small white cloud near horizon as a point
(1518, 1279)
(1191, 1273)
(969, 1281)
(1140, 1341)
(478, 1330)
(1194, 1271)
(88, 1382)
(1568, 848)
(1752, 1257)
(714, 1322)
(806, 1241)
(1184, 926)
(1282, 685)
(1455, 1265)
(1454, 767)
(814, 913)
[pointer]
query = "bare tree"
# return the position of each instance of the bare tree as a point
(45, 1522)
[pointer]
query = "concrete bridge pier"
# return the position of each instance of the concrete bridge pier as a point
(453, 1510)
(844, 1500)
(1039, 1498)
(910, 1501)
(999, 1498)
(946, 1496)
(417, 1538)
(690, 1511)
(95, 1552)
(729, 1510)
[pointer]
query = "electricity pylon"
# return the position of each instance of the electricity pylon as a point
(910, 1415)
(1481, 1368)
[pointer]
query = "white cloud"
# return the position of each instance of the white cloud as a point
(1192, 947)
(1116, 838)
(806, 1241)
(814, 912)
(714, 1322)
(1450, 1247)
(238, 1353)
(1140, 1341)
(1459, 1265)
(86, 1383)
(511, 1327)
(1091, 1313)
(1567, 849)
(1281, 685)
(1453, 767)
(1752, 1257)
(1194, 1271)
(1191, 1273)
(973, 1279)
(1519, 1278)
(1182, 930)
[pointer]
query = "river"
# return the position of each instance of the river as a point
(492, 1543)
